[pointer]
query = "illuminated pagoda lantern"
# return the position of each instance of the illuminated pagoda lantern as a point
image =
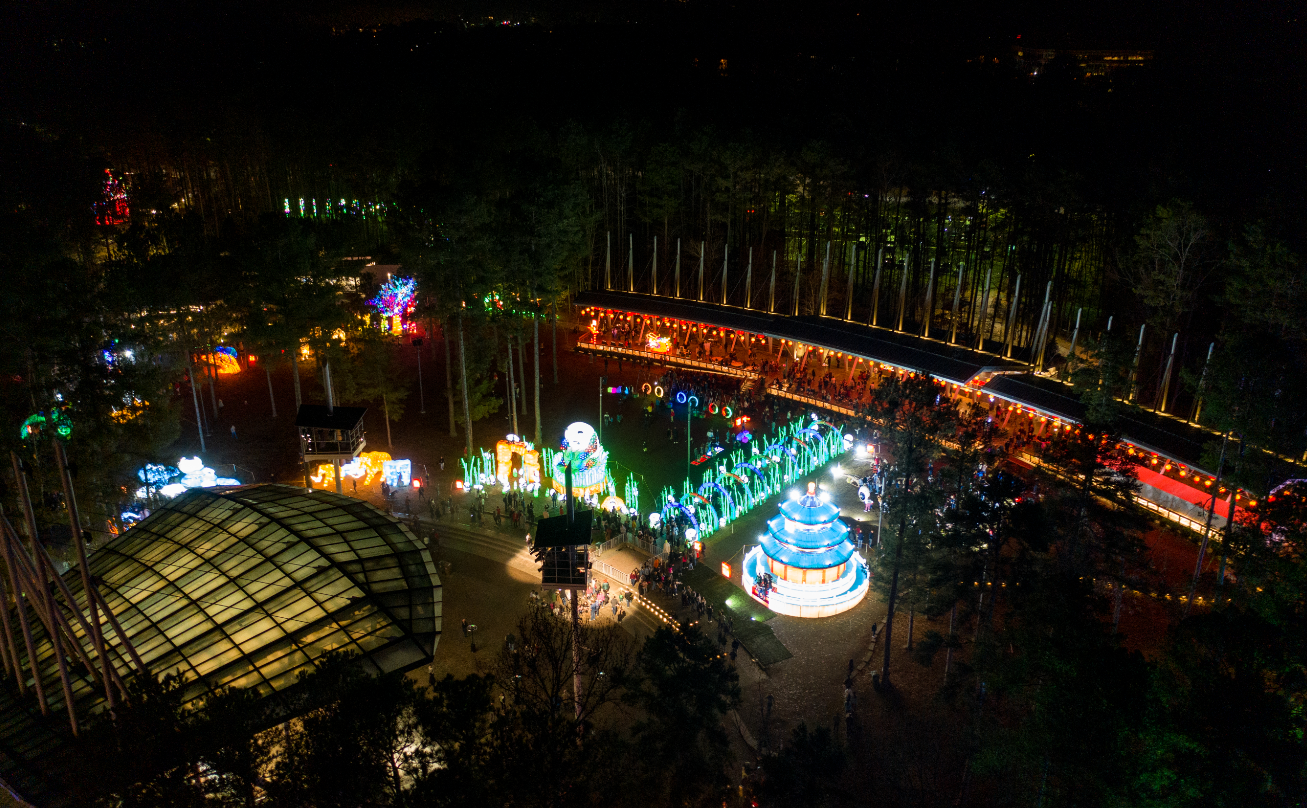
(806, 566)
(588, 458)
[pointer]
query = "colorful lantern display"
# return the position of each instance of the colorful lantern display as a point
(805, 566)
(517, 464)
(366, 467)
(588, 458)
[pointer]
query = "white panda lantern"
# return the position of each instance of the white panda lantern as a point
(589, 460)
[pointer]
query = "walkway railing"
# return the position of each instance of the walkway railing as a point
(1035, 461)
(812, 401)
(669, 359)
(646, 547)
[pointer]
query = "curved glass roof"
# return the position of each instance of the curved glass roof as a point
(242, 587)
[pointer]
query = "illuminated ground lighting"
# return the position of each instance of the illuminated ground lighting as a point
(814, 569)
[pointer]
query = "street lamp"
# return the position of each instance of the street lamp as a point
(422, 399)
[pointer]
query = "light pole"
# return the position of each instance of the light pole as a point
(602, 379)
(689, 413)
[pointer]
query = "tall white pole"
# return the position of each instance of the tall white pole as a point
(848, 297)
(678, 267)
(726, 255)
(703, 248)
(875, 287)
(984, 310)
(930, 301)
(957, 297)
(748, 282)
(903, 292)
(1134, 370)
(1011, 318)
(1075, 335)
(798, 273)
(1166, 377)
(771, 289)
(825, 279)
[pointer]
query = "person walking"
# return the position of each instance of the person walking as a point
(465, 627)
(233, 431)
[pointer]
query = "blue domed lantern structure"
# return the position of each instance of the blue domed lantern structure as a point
(806, 566)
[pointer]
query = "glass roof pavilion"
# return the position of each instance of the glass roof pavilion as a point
(237, 587)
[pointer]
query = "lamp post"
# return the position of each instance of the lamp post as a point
(689, 413)
(422, 399)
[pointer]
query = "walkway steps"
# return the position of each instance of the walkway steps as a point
(510, 550)
(504, 548)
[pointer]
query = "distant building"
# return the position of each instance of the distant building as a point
(1091, 62)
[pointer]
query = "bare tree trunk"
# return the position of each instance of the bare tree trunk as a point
(512, 393)
(295, 368)
(521, 368)
(449, 382)
(196, 397)
(271, 397)
(467, 407)
(385, 413)
(1116, 608)
(213, 382)
(890, 601)
(912, 621)
(555, 324)
(948, 652)
(536, 323)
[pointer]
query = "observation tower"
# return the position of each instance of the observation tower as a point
(805, 566)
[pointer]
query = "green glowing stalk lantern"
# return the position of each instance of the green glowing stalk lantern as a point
(35, 423)
(748, 477)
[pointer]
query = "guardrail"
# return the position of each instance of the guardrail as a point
(609, 570)
(670, 359)
(1166, 513)
(812, 401)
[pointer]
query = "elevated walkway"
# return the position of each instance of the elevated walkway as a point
(955, 363)
(1010, 380)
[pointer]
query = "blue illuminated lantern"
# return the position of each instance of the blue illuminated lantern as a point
(805, 565)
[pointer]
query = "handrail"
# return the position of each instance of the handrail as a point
(812, 401)
(670, 359)
(1166, 513)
